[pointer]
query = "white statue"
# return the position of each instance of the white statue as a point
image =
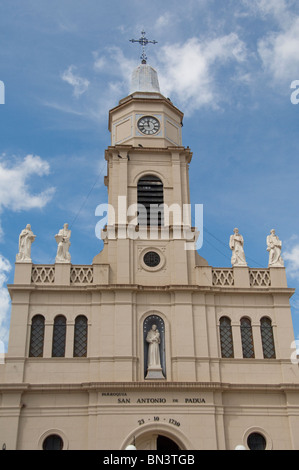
(63, 241)
(153, 355)
(26, 239)
(274, 247)
(236, 243)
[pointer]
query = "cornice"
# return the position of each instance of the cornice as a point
(144, 288)
(148, 385)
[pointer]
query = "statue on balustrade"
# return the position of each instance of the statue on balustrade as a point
(274, 248)
(236, 244)
(63, 242)
(26, 239)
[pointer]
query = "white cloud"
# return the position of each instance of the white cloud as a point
(278, 50)
(276, 8)
(5, 267)
(79, 84)
(116, 71)
(279, 53)
(188, 71)
(65, 108)
(15, 191)
(14, 188)
(164, 20)
(114, 63)
(291, 258)
(100, 63)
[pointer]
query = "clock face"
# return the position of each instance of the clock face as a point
(148, 125)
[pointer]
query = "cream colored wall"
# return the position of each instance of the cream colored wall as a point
(241, 395)
(87, 418)
(115, 338)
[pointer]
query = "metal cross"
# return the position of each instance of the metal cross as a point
(143, 41)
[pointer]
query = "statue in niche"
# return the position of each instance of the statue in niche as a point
(26, 239)
(153, 355)
(236, 244)
(154, 348)
(63, 241)
(274, 247)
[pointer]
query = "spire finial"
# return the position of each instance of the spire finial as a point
(143, 41)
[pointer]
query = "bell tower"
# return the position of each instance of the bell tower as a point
(148, 239)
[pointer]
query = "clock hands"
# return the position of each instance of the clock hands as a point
(150, 125)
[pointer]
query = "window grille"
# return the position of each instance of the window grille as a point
(37, 336)
(226, 338)
(80, 337)
(59, 336)
(150, 196)
(267, 338)
(151, 259)
(247, 338)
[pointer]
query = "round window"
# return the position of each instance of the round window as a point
(151, 259)
(256, 441)
(53, 442)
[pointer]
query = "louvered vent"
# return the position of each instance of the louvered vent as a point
(150, 197)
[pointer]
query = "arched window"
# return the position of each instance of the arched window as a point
(149, 198)
(53, 442)
(267, 338)
(226, 338)
(247, 338)
(59, 336)
(37, 336)
(80, 337)
(256, 441)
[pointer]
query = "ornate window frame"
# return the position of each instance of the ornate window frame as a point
(144, 266)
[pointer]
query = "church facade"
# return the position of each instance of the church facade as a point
(149, 345)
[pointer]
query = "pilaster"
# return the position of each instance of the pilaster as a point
(236, 333)
(63, 274)
(101, 274)
(11, 409)
(23, 273)
(241, 276)
(278, 277)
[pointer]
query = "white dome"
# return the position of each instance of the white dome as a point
(145, 78)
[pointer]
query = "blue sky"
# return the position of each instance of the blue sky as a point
(228, 65)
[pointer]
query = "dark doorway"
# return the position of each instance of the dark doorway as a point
(166, 445)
